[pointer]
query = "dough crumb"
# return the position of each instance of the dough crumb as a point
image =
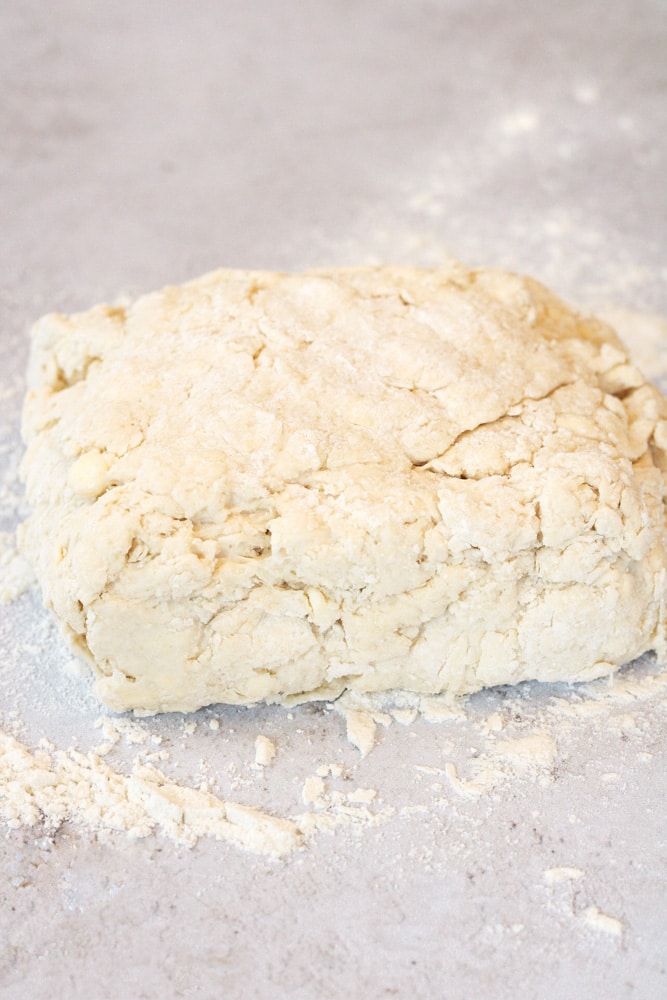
(361, 730)
(313, 791)
(600, 921)
(265, 751)
(493, 724)
(366, 795)
(324, 770)
(113, 728)
(554, 875)
(404, 716)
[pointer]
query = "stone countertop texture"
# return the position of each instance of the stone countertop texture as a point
(143, 143)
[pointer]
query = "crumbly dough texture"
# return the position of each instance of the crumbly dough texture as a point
(275, 487)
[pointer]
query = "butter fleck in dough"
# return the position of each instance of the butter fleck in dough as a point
(272, 487)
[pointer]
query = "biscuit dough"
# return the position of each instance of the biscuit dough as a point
(274, 487)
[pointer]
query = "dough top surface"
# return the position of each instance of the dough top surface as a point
(256, 381)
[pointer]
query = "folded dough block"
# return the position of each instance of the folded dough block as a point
(274, 487)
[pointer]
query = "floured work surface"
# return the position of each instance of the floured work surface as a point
(270, 487)
(270, 781)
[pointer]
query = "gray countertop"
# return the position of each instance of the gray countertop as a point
(144, 143)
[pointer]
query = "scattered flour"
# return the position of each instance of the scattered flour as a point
(16, 575)
(53, 787)
(486, 777)
(536, 750)
(48, 786)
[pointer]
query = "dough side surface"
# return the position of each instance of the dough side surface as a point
(274, 487)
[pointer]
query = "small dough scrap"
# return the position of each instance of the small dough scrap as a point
(278, 487)
(265, 751)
